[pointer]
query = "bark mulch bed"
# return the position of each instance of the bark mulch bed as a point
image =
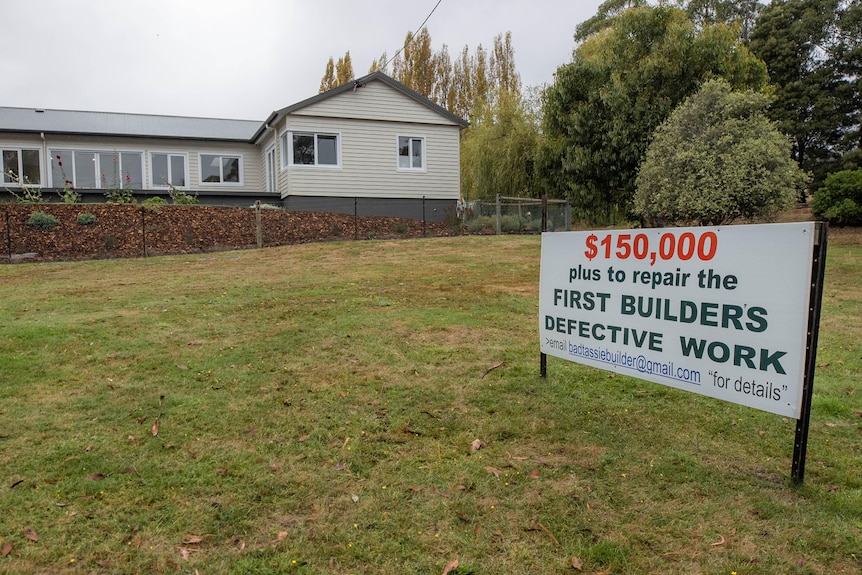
(124, 231)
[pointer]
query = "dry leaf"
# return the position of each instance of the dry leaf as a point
(182, 367)
(303, 438)
(275, 468)
(89, 448)
(96, 477)
(722, 542)
(477, 445)
(184, 553)
(827, 364)
(222, 470)
(492, 368)
(155, 429)
(31, 535)
(450, 567)
(605, 572)
(548, 531)
(354, 498)
(7, 549)
(493, 471)
(534, 474)
(414, 488)
(282, 535)
(192, 540)
(196, 342)
(577, 563)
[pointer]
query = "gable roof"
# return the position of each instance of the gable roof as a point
(357, 84)
(39, 120)
(71, 122)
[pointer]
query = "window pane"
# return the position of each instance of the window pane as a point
(210, 168)
(178, 171)
(417, 153)
(403, 152)
(327, 150)
(85, 170)
(30, 166)
(133, 176)
(109, 171)
(160, 170)
(61, 167)
(303, 149)
(230, 169)
(10, 166)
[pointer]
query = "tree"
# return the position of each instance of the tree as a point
(812, 51)
(602, 109)
(328, 81)
(381, 63)
(414, 65)
(706, 12)
(337, 74)
(716, 159)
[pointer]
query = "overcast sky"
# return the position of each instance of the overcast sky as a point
(245, 58)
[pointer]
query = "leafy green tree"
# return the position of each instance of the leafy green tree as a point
(497, 151)
(839, 201)
(717, 158)
(706, 12)
(600, 113)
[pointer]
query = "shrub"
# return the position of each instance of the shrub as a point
(400, 228)
(839, 201)
(86, 219)
(509, 224)
(153, 204)
(181, 198)
(482, 224)
(42, 221)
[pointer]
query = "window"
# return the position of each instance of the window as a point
(310, 149)
(97, 170)
(411, 153)
(271, 183)
(221, 169)
(21, 166)
(168, 170)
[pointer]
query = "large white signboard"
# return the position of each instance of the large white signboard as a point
(719, 311)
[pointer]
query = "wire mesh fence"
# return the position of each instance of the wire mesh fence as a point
(514, 215)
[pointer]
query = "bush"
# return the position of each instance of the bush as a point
(839, 201)
(509, 224)
(154, 204)
(43, 221)
(86, 219)
(482, 224)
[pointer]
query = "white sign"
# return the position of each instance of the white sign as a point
(719, 311)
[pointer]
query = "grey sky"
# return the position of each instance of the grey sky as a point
(243, 59)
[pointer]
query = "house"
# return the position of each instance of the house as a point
(370, 147)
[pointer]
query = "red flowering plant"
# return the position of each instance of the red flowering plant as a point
(69, 195)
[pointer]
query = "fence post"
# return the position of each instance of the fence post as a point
(144, 230)
(8, 236)
(424, 228)
(355, 218)
(499, 217)
(258, 230)
(568, 214)
(544, 212)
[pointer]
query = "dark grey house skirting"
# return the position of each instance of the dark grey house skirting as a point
(415, 209)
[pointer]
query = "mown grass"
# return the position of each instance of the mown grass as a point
(316, 407)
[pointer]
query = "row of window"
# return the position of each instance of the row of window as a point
(106, 170)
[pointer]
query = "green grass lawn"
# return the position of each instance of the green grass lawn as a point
(314, 409)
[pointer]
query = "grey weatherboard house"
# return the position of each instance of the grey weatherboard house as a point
(371, 146)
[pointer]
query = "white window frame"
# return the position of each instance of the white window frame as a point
(287, 149)
(161, 185)
(411, 138)
(270, 169)
(71, 170)
(221, 155)
(3, 176)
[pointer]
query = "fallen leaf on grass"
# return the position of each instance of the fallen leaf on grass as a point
(192, 540)
(155, 429)
(605, 572)
(414, 488)
(847, 390)
(717, 543)
(450, 567)
(493, 471)
(222, 470)
(577, 563)
(492, 368)
(275, 468)
(304, 438)
(7, 549)
(184, 553)
(182, 367)
(548, 531)
(196, 342)
(31, 535)
(477, 445)
(534, 474)
(96, 477)
(282, 535)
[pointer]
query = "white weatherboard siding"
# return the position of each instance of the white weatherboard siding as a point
(369, 161)
(375, 101)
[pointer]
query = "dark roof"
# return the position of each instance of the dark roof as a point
(358, 83)
(36, 120)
